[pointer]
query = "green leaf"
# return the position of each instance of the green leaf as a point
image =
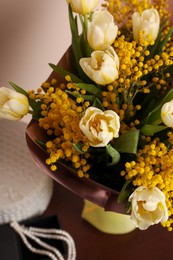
(91, 89)
(98, 104)
(42, 143)
(78, 147)
(164, 41)
(19, 89)
(90, 98)
(152, 129)
(64, 73)
(154, 116)
(113, 154)
(125, 191)
(75, 35)
(76, 46)
(153, 48)
(169, 69)
(85, 47)
(127, 142)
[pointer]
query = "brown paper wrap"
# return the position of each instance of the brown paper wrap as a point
(83, 187)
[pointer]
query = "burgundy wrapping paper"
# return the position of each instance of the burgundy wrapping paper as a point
(83, 187)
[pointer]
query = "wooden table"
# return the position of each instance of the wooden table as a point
(154, 244)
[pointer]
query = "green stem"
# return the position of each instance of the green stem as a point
(84, 22)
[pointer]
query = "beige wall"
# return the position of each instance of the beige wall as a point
(32, 34)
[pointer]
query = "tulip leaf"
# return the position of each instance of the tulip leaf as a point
(98, 104)
(152, 129)
(113, 154)
(19, 89)
(91, 89)
(75, 37)
(85, 47)
(64, 73)
(42, 143)
(125, 191)
(78, 148)
(169, 69)
(76, 45)
(154, 116)
(127, 142)
(164, 41)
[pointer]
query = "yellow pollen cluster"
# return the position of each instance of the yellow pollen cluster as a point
(138, 71)
(60, 118)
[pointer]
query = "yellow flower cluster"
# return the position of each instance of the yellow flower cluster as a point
(138, 72)
(154, 168)
(122, 10)
(60, 118)
(134, 67)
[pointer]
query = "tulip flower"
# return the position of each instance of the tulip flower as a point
(102, 30)
(13, 105)
(167, 113)
(148, 207)
(102, 67)
(100, 127)
(82, 6)
(148, 23)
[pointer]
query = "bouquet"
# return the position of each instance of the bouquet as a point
(107, 115)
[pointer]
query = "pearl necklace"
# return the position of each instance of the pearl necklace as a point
(36, 233)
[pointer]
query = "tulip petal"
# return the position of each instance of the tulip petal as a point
(102, 30)
(100, 127)
(148, 207)
(16, 106)
(148, 23)
(13, 105)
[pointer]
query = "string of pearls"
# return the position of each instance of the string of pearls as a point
(36, 233)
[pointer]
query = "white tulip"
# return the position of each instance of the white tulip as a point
(148, 207)
(102, 67)
(148, 23)
(100, 127)
(101, 30)
(13, 105)
(82, 6)
(167, 113)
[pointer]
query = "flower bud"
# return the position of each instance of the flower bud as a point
(102, 67)
(13, 105)
(167, 113)
(148, 207)
(101, 30)
(147, 23)
(100, 127)
(82, 6)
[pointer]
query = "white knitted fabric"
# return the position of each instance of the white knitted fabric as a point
(24, 190)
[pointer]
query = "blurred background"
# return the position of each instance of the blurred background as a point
(32, 34)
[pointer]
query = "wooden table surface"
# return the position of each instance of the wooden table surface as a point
(154, 244)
